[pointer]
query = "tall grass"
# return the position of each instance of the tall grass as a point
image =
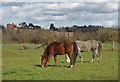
(47, 36)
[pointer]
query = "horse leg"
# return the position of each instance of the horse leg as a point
(71, 60)
(55, 58)
(68, 59)
(49, 57)
(97, 56)
(80, 57)
(93, 55)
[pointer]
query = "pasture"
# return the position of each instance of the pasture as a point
(25, 65)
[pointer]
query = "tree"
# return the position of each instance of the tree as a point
(37, 27)
(82, 28)
(68, 29)
(23, 25)
(2, 27)
(31, 25)
(52, 27)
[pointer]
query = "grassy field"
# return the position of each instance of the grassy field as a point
(25, 65)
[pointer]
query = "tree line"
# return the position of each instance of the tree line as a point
(84, 28)
(47, 36)
(24, 25)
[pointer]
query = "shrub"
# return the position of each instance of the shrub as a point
(47, 36)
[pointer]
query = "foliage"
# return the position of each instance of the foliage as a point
(24, 25)
(47, 36)
(26, 36)
(52, 27)
(104, 35)
(68, 29)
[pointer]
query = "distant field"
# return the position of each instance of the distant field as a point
(25, 65)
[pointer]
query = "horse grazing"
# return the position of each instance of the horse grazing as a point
(59, 48)
(85, 46)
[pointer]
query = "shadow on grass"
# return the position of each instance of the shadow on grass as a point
(83, 62)
(52, 66)
(62, 66)
(38, 65)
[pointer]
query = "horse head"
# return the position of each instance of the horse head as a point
(43, 59)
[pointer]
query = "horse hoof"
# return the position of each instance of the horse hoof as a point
(82, 62)
(71, 66)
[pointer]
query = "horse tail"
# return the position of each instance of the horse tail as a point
(75, 52)
(99, 49)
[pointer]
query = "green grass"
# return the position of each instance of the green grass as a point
(25, 65)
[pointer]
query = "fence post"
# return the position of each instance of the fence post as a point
(113, 44)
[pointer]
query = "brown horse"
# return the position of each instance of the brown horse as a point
(59, 48)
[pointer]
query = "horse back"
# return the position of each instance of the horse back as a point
(83, 46)
(56, 48)
(59, 48)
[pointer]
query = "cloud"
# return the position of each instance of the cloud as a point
(50, 18)
(60, 18)
(109, 22)
(61, 13)
(43, 18)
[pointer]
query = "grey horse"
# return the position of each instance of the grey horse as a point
(85, 46)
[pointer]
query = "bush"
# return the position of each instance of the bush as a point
(23, 36)
(46, 36)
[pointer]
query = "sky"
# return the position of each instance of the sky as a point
(60, 13)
